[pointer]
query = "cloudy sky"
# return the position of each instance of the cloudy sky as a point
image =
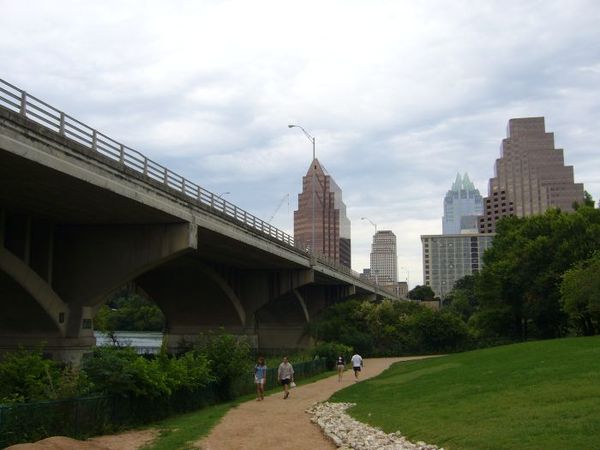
(400, 95)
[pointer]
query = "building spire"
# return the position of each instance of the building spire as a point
(456, 186)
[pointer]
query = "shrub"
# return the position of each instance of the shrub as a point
(330, 351)
(25, 375)
(121, 371)
(437, 331)
(229, 359)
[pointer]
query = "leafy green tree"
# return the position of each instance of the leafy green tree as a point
(437, 331)
(580, 295)
(343, 323)
(523, 270)
(421, 293)
(462, 299)
(121, 371)
(330, 351)
(129, 313)
(588, 200)
(26, 375)
(229, 359)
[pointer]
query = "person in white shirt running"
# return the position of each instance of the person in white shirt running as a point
(357, 364)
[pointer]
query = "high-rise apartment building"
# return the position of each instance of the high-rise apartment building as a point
(530, 176)
(463, 205)
(448, 258)
(384, 260)
(327, 216)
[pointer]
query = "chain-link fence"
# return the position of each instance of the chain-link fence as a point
(87, 416)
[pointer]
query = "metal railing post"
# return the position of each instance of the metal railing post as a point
(23, 110)
(61, 127)
(121, 153)
(94, 140)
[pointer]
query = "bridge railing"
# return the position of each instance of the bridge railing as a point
(15, 99)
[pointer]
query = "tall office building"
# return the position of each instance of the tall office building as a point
(384, 260)
(328, 216)
(530, 175)
(463, 205)
(448, 258)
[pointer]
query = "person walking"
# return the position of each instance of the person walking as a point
(341, 365)
(357, 364)
(260, 378)
(285, 374)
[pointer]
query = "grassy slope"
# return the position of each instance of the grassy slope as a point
(537, 395)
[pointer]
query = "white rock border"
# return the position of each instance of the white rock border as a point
(348, 433)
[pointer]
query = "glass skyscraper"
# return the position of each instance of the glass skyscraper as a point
(462, 206)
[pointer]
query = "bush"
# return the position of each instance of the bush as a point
(330, 351)
(229, 359)
(25, 375)
(437, 331)
(121, 371)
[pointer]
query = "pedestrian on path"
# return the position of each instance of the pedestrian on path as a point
(341, 365)
(357, 364)
(285, 374)
(260, 378)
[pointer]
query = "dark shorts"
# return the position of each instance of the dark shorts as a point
(286, 381)
(356, 368)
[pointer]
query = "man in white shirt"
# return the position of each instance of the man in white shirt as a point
(357, 363)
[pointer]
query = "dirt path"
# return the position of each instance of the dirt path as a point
(273, 424)
(282, 424)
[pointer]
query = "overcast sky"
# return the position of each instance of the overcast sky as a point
(400, 95)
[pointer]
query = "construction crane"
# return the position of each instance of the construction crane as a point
(286, 196)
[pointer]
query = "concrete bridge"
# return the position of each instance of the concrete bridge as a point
(81, 215)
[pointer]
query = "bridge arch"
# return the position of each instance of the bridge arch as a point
(36, 287)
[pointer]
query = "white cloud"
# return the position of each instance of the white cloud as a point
(399, 95)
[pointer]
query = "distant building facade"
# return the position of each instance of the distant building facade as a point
(402, 289)
(463, 205)
(331, 225)
(448, 258)
(384, 259)
(530, 176)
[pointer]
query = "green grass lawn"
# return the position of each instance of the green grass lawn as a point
(535, 395)
(180, 432)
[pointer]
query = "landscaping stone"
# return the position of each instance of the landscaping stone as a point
(348, 433)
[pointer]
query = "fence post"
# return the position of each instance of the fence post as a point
(165, 176)
(94, 139)
(122, 154)
(146, 166)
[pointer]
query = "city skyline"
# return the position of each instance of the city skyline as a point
(420, 93)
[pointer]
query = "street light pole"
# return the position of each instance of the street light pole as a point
(374, 225)
(312, 139)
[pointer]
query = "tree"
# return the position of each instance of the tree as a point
(129, 313)
(462, 299)
(421, 293)
(523, 270)
(587, 199)
(580, 295)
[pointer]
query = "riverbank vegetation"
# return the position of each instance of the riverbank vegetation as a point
(539, 280)
(116, 388)
(530, 395)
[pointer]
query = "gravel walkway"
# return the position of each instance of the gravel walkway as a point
(281, 424)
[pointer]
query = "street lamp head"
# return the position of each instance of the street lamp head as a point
(291, 126)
